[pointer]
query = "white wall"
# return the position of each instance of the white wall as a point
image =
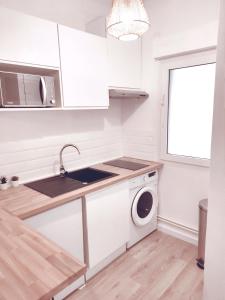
(214, 283)
(176, 16)
(31, 141)
(181, 186)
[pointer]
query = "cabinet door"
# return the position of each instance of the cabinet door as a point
(125, 63)
(107, 221)
(63, 225)
(27, 39)
(84, 68)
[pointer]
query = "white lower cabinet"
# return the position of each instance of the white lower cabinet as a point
(106, 231)
(107, 225)
(63, 225)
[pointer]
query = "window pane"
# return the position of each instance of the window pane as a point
(191, 96)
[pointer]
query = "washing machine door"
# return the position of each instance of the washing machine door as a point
(144, 206)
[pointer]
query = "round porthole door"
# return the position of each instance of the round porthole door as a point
(144, 206)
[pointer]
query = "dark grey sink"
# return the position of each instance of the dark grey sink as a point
(89, 175)
(57, 185)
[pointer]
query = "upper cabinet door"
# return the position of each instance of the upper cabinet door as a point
(125, 63)
(27, 39)
(84, 67)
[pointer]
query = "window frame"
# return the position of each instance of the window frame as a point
(196, 59)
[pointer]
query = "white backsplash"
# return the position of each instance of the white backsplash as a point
(37, 158)
(31, 141)
(139, 144)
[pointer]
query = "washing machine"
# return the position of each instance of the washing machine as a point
(143, 206)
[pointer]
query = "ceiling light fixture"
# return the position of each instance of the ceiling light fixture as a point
(128, 20)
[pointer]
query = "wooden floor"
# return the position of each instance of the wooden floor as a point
(159, 267)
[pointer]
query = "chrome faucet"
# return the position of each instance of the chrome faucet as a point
(62, 169)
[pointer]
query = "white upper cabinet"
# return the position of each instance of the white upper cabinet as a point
(84, 67)
(27, 39)
(124, 63)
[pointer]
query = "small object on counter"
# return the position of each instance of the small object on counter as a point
(3, 183)
(15, 181)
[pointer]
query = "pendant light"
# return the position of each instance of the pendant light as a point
(128, 20)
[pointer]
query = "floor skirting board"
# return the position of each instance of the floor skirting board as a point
(177, 230)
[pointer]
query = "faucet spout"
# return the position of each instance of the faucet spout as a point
(62, 168)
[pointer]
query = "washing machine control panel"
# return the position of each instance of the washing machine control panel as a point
(151, 177)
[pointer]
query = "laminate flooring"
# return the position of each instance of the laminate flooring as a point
(160, 267)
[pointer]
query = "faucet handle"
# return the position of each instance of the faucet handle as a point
(62, 171)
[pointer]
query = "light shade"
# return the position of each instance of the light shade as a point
(128, 20)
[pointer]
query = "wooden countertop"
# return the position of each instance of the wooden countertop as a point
(32, 267)
(24, 202)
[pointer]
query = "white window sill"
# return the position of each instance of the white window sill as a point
(201, 162)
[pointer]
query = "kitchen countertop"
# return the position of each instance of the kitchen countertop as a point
(24, 202)
(32, 267)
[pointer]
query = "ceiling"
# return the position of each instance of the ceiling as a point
(68, 12)
(92, 9)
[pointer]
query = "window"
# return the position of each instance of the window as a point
(189, 112)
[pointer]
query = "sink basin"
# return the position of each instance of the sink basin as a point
(89, 175)
(57, 185)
